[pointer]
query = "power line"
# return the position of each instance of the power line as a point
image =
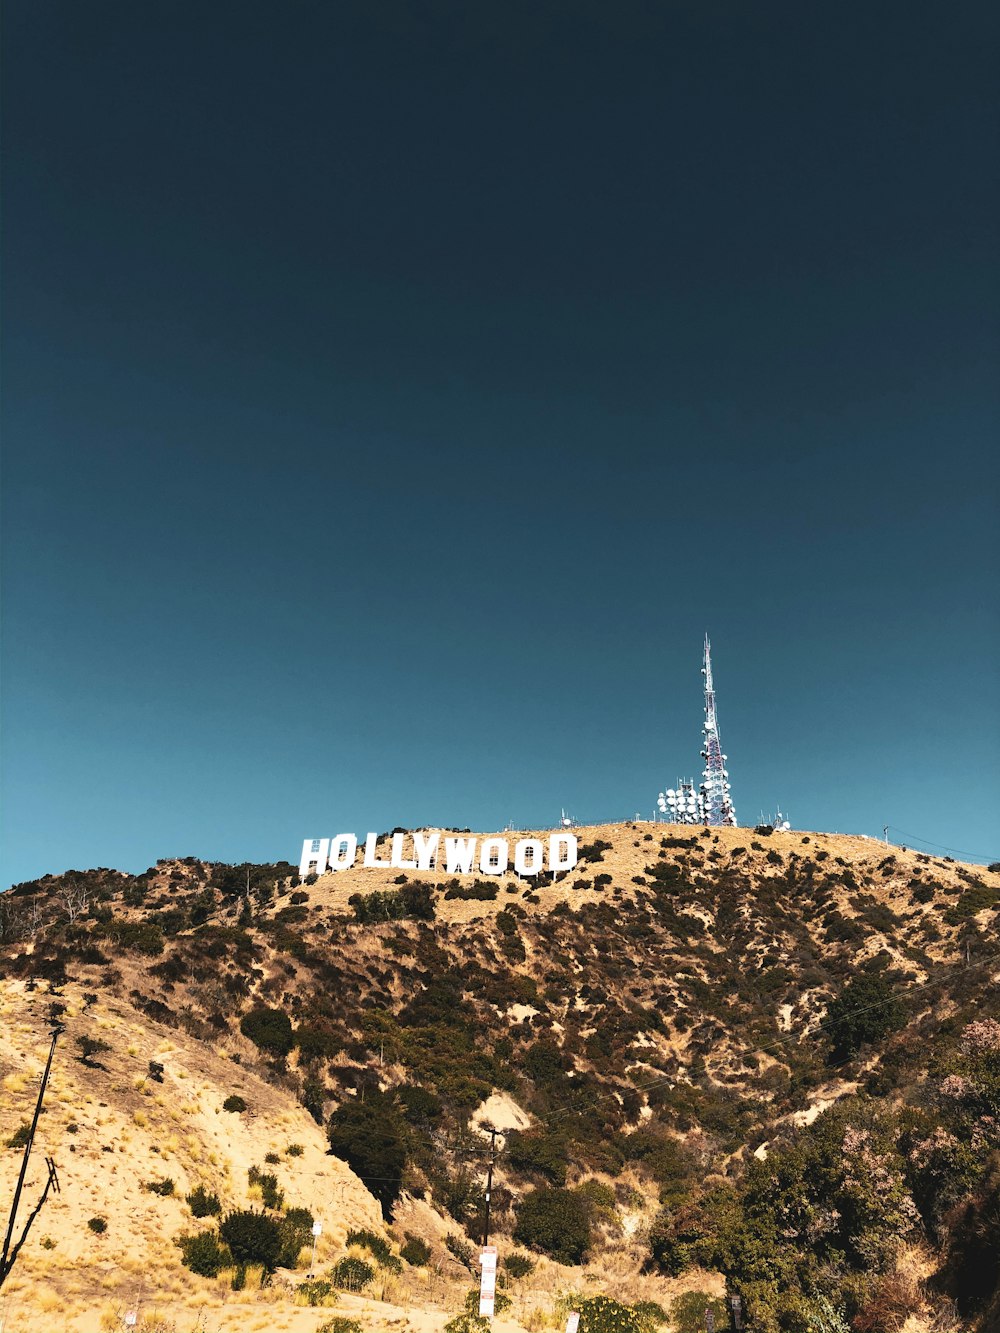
(800, 1034)
(759, 1050)
(912, 837)
(780, 1041)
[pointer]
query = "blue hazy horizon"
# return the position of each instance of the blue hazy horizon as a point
(393, 400)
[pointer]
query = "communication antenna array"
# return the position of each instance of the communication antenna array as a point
(712, 803)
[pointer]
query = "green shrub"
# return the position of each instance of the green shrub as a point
(317, 1291)
(234, 1103)
(544, 1151)
(371, 1138)
(20, 1136)
(340, 1324)
(501, 1302)
(163, 1187)
(139, 936)
(269, 1029)
(415, 1251)
(460, 1248)
(481, 890)
(270, 1192)
(419, 1105)
(202, 1203)
(687, 1312)
(296, 1232)
(467, 1323)
(203, 1254)
(252, 1238)
(651, 1314)
(598, 1195)
(97, 1225)
(89, 1047)
(518, 1265)
(294, 1150)
(865, 1011)
(377, 1246)
(351, 1274)
(593, 851)
(412, 901)
(600, 1314)
(555, 1221)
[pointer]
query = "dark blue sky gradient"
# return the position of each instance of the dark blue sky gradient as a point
(396, 393)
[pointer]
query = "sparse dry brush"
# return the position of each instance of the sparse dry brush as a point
(682, 1000)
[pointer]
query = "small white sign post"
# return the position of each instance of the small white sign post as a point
(573, 1321)
(488, 1280)
(317, 1230)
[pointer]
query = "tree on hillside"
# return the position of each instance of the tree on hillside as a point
(269, 1029)
(252, 1238)
(866, 1010)
(555, 1221)
(371, 1138)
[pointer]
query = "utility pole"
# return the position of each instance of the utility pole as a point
(10, 1255)
(885, 830)
(489, 1184)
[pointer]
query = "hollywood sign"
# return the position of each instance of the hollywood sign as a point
(453, 855)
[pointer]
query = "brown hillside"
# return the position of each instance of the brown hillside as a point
(652, 1015)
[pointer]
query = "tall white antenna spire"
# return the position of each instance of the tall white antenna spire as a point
(717, 804)
(711, 803)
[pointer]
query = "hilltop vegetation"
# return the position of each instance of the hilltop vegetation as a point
(775, 1057)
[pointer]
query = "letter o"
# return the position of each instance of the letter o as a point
(494, 847)
(537, 849)
(343, 850)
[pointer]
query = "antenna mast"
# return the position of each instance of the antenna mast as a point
(716, 801)
(711, 803)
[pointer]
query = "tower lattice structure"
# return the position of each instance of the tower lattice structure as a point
(716, 801)
(711, 803)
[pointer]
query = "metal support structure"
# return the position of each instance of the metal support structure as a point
(10, 1252)
(711, 803)
(717, 802)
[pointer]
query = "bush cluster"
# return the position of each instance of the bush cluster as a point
(415, 1251)
(555, 1221)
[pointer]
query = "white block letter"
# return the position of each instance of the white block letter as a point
(524, 866)
(396, 858)
(494, 856)
(343, 850)
(459, 853)
(371, 859)
(314, 852)
(562, 852)
(425, 849)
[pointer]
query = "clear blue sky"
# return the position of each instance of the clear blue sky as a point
(395, 394)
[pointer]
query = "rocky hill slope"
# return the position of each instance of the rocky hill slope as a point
(721, 1060)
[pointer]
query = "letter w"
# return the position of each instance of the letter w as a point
(459, 854)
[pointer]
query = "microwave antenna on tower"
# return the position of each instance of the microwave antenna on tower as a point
(716, 800)
(711, 802)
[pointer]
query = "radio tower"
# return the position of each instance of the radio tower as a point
(716, 802)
